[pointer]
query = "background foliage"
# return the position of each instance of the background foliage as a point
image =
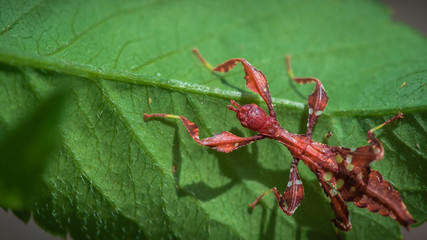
(110, 174)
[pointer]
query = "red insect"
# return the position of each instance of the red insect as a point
(343, 173)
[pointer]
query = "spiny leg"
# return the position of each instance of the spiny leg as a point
(223, 142)
(317, 101)
(293, 194)
(255, 79)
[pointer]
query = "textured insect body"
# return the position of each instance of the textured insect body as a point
(343, 173)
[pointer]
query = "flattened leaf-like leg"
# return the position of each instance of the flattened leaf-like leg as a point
(255, 79)
(317, 101)
(338, 205)
(223, 142)
(293, 194)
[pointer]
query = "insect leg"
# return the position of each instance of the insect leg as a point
(363, 156)
(293, 194)
(338, 205)
(374, 142)
(223, 142)
(255, 79)
(317, 101)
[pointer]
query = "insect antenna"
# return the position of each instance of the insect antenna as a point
(235, 104)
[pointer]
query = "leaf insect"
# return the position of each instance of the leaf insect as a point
(343, 173)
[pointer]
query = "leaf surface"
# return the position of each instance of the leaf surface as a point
(118, 176)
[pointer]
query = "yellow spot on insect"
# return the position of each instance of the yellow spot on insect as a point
(332, 192)
(328, 176)
(360, 176)
(338, 158)
(236, 144)
(340, 183)
(352, 189)
(265, 89)
(310, 111)
(349, 167)
(317, 113)
(150, 100)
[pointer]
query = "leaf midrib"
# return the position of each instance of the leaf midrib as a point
(86, 71)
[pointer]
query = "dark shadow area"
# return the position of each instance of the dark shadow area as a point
(270, 227)
(204, 192)
(225, 82)
(303, 118)
(233, 167)
(293, 84)
(314, 204)
(176, 153)
(176, 160)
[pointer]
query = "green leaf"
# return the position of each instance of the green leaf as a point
(25, 151)
(113, 177)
